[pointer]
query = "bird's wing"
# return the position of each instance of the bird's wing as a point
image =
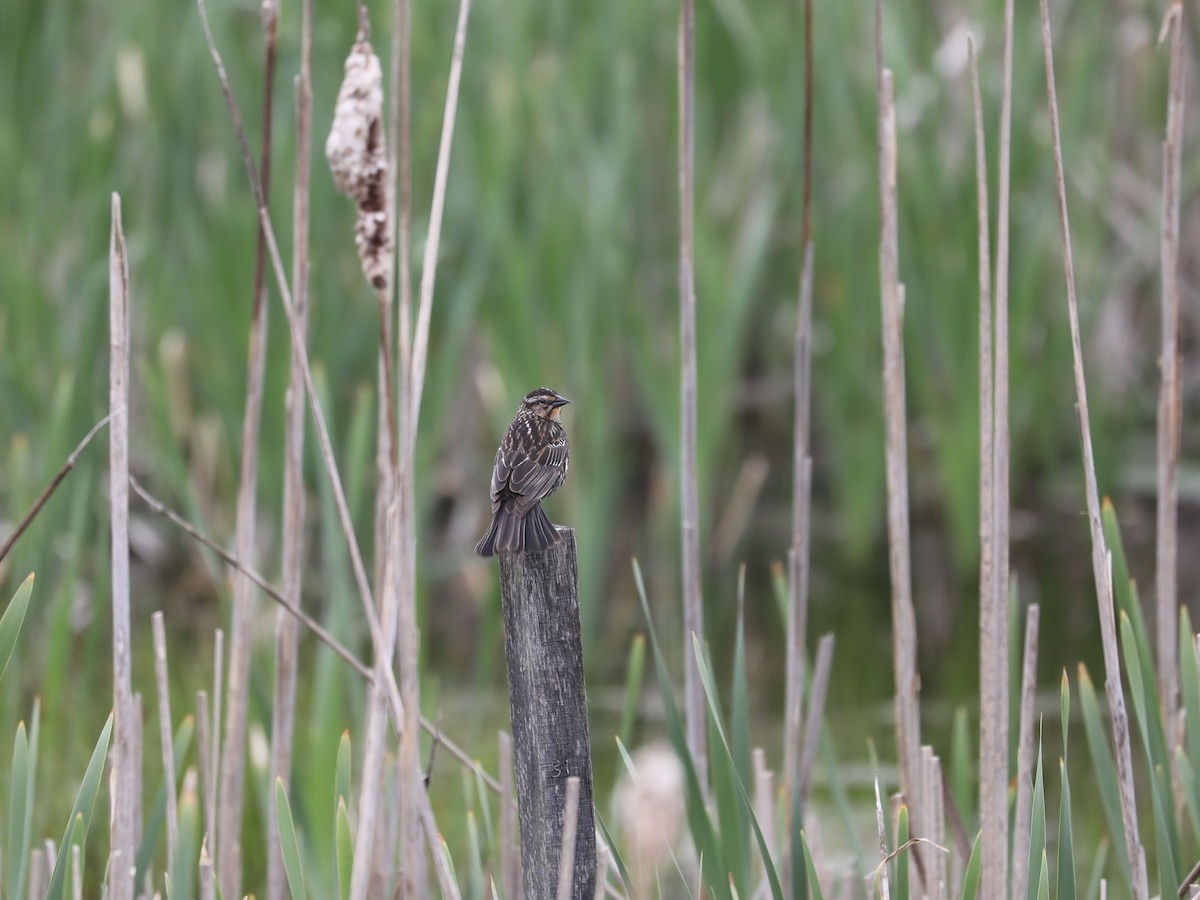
(534, 477)
(506, 458)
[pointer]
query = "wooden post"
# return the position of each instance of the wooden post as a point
(543, 651)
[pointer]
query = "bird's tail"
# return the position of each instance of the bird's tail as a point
(510, 533)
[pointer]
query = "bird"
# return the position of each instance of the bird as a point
(531, 464)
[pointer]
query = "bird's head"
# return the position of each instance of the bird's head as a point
(543, 402)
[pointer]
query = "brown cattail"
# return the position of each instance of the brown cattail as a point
(356, 153)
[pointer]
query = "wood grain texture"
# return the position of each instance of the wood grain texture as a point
(543, 651)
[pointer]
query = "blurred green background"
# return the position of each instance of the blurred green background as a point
(558, 266)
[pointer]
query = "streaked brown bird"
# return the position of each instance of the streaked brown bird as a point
(531, 464)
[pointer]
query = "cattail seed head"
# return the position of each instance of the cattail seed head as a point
(357, 158)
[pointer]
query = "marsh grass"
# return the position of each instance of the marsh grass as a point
(527, 152)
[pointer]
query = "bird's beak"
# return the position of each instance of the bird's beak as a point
(559, 400)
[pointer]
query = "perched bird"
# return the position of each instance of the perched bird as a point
(531, 464)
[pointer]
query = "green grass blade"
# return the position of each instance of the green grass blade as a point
(152, 831)
(1189, 683)
(476, 860)
(704, 835)
(342, 776)
(735, 831)
(745, 812)
(633, 686)
(344, 850)
(1105, 770)
(11, 621)
(1043, 886)
(17, 854)
(1099, 864)
(1149, 720)
(626, 759)
(288, 843)
(485, 808)
(739, 714)
(1126, 594)
(836, 782)
(901, 862)
(1037, 828)
(188, 851)
(85, 802)
(1066, 846)
(1064, 706)
(962, 771)
(1169, 874)
(1145, 707)
(814, 886)
(971, 876)
(613, 854)
(1187, 786)
(65, 851)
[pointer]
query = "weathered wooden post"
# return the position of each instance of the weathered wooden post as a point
(543, 651)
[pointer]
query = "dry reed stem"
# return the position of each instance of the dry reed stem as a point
(311, 624)
(798, 556)
(1101, 557)
(904, 627)
(993, 615)
(1025, 757)
(138, 737)
(37, 875)
(441, 866)
(287, 635)
(1000, 433)
(1170, 397)
(413, 385)
(566, 854)
(372, 784)
(215, 761)
(602, 854)
(693, 600)
(950, 810)
(124, 771)
(994, 874)
(204, 753)
(49, 490)
(230, 800)
(432, 240)
(764, 811)
(76, 872)
(931, 772)
(510, 853)
(208, 883)
(165, 736)
(816, 711)
(881, 828)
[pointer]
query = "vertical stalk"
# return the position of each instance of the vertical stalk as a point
(1170, 398)
(693, 600)
(904, 626)
(233, 772)
(1025, 756)
(124, 793)
(283, 712)
(1101, 556)
(993, 615)
(798, 557)
(166, 739)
